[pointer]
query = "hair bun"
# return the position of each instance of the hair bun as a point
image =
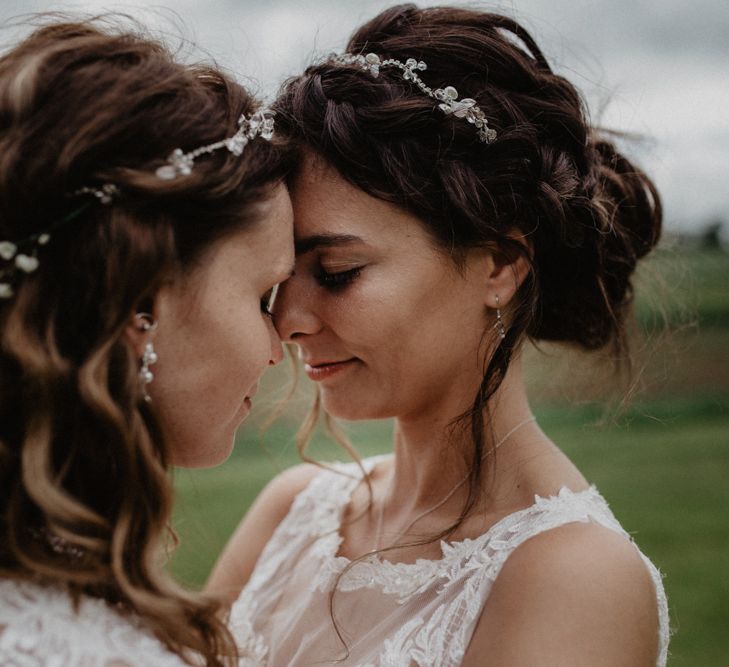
(607, 222)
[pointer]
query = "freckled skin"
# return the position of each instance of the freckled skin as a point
(413, 322)
(214, 341)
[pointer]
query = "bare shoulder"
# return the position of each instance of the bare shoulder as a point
(575, 595)
(236, 563)
(280, 492)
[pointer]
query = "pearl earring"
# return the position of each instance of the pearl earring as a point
(499, 326)
(149, 356)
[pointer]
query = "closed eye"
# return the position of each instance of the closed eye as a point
(337, 280)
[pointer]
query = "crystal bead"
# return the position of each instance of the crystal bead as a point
(450, 92)
(422, 66)
(411, 63)
(43, 239)
(6, 290)
(372, 59)
(7, 249)
(166, 172)
(236, 144)
(26, 263)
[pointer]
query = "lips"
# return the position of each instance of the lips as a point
(321, 370)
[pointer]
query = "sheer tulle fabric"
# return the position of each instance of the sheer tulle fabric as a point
(390, 614)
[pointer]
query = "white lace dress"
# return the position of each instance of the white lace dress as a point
(405, 614)
(39, 628)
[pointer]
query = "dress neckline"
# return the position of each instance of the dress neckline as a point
(449, 549)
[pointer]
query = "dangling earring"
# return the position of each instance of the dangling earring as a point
(149, 356)
(499, 326)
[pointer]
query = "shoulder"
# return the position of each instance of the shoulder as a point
(274, 502)
(572, 595)
(278, 495)
(239, 557)
(40, 623)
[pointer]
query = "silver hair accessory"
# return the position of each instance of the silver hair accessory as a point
(448, 96)
(104, 193)
(21, 257)
(149, 356)
(259, 124)
(499, 326)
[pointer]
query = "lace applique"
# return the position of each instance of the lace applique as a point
(455, 587)
(41, 629)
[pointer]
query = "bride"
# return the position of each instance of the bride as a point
(134, 327)
(452, 201)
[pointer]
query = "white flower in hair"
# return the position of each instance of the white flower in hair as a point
(260, 124)
(448, 97)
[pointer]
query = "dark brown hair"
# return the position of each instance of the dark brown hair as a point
(82, 462)
(586, 212)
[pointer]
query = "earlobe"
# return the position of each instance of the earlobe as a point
(508, 270)
(139, 331)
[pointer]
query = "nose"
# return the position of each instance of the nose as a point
(276, 346)
(294, 313)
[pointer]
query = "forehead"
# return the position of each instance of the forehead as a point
(270, 240)
(325, 203)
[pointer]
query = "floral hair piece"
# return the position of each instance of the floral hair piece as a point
(21, 257)
(448, 96)
(259, 124)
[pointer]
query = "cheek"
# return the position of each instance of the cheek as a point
(368, 315)
(252, 348)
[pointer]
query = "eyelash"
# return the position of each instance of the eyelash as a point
(267, 301)
(338, 280)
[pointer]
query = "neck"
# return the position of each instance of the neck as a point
(431, 456)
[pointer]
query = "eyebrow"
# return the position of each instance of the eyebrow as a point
(309, 243)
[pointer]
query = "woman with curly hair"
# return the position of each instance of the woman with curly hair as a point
(144, 224)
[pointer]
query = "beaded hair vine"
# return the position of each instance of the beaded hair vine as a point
(21, 257)
(448, 96)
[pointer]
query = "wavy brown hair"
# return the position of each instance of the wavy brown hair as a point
(584, 212)
(85, 494)
(552, 187)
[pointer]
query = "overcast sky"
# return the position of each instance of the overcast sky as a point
(658, 68)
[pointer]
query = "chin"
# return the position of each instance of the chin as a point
(353, 410)
(213, 455)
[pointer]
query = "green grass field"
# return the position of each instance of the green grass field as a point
(663, 464)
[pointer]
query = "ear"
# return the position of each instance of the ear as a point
(506, 270)
(139, 331)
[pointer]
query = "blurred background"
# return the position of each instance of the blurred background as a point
(657, 443)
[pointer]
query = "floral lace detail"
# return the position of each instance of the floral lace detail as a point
(455, 586)
(39, 628)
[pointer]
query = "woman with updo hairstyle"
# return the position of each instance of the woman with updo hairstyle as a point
(451, 202)
(144, 222)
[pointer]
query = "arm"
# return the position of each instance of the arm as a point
(236, 563)
(572, 596)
